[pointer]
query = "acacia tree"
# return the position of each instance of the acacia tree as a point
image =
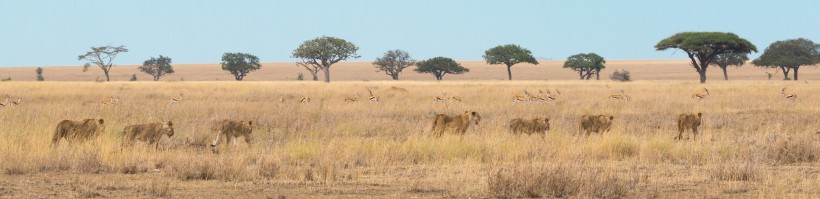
(729, 59)
(323, 52)
(393, 62)
(703, 47)
(39, 72)
(240, 64)
(103, 57)
(789, 54)
(509, 55)
(157, 67)
(440, 66)
(586, 64)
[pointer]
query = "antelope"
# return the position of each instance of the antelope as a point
(6, 103)
(441, 98)
(789, 96)
(455, 98)
(519, 98)
(353, 99)
(622, 96)
(373, 98)
(177, 99)
(305, 100)
(549, 95)
(111, 101)
(700, 96)
(557, 91)
(15, 103)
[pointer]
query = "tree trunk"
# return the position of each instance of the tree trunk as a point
(395, 76)
(785, 72)
(702, 74)
(107, 78)
(156, 78)
(238, 77)
(315, 77)
(581, 73)
(509, 73)
(597, 74)
(327, 74)
(725, 76)
(795, 72)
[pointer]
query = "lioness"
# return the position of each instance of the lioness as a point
(77, 131)
(456, 123)
(530, 126)
(232, 129)
(150, 133)
(688, 121)
(595, 123)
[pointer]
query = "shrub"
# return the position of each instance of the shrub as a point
(622, 76)
(556, 182)
(300, 77)
(133, 77)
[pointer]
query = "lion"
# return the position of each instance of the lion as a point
(457, 123)
(688, 121)
(530, 126)
(77, 131)
(151, 133)
(597, 124)
(232, 130)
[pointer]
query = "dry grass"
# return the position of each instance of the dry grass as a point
(752, 141)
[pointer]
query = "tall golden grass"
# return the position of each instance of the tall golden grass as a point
(753, 142)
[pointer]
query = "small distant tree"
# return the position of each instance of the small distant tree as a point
(39, 72)
(586, 64)
(321, 53)
(702, 47)
(788, 55)
(300, 77)
(157, 67)
(729, 59)
(133, 77)
(393, 62)
(509, 55)
(440, 66)
(102, 57)
(240, 64)
(621, 76)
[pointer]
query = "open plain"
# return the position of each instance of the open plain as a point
(753, 142)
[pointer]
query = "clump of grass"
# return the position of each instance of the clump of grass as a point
(614, 147)
(792, 150)
(733, 171)
(556, 182)
(89, 162)
(192, 169)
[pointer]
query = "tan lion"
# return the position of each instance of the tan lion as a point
(151, 133)
(77, 131)
(456, 123)
(688, 121)
(595, 123)
(530, 126)
(232, 130)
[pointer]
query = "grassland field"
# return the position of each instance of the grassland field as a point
(753, 142)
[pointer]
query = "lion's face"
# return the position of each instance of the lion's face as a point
(168, 128)
(474, 118)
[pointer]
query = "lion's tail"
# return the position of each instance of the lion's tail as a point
(58, 133)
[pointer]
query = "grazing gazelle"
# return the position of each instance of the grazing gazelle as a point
(177, 99)
(305, 100)
(789, 96)
(699, 96)
(353, 99)
(455, 99)
(441, 98)
(373, 98)
(111, 101)
(622, 96)
(519, 98)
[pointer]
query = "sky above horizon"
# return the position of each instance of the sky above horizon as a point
(55, 32)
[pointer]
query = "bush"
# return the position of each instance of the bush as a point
(300, 77)
(622, 76)
(134, 77)
(557, 182)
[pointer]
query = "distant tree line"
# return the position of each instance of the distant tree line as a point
(704, 49)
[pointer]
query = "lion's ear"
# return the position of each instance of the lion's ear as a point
(547, 119)
(170, 123)
(101, 121)
(250, 123)
(611, 117)
(699, 114)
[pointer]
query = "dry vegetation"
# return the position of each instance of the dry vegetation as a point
(753, 142)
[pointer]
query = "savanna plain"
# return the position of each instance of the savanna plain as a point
(753, 143)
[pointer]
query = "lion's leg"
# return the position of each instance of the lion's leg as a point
(694, 133)
(680, 133)
(217, 140)
(234, 142)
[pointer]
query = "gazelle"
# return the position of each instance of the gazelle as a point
(177, 99)
(6, 103)
(441, 98)
(789, 96)
(373, 98)
(305, 100)
(111, 101)
(519, 98)
(353, 99)
(622, 96)
(15, 103)
(455, 99)
(700, 96)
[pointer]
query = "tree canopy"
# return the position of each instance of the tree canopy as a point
(103, 57)
(240, 64)
(702, 47)
(789, 54)
(393, 62)
(157, 67)
(729, 59)
(586, 64)
(509, 55)
(322, 52)
(440, 66)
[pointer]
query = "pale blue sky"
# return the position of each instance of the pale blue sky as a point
(47, 33)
